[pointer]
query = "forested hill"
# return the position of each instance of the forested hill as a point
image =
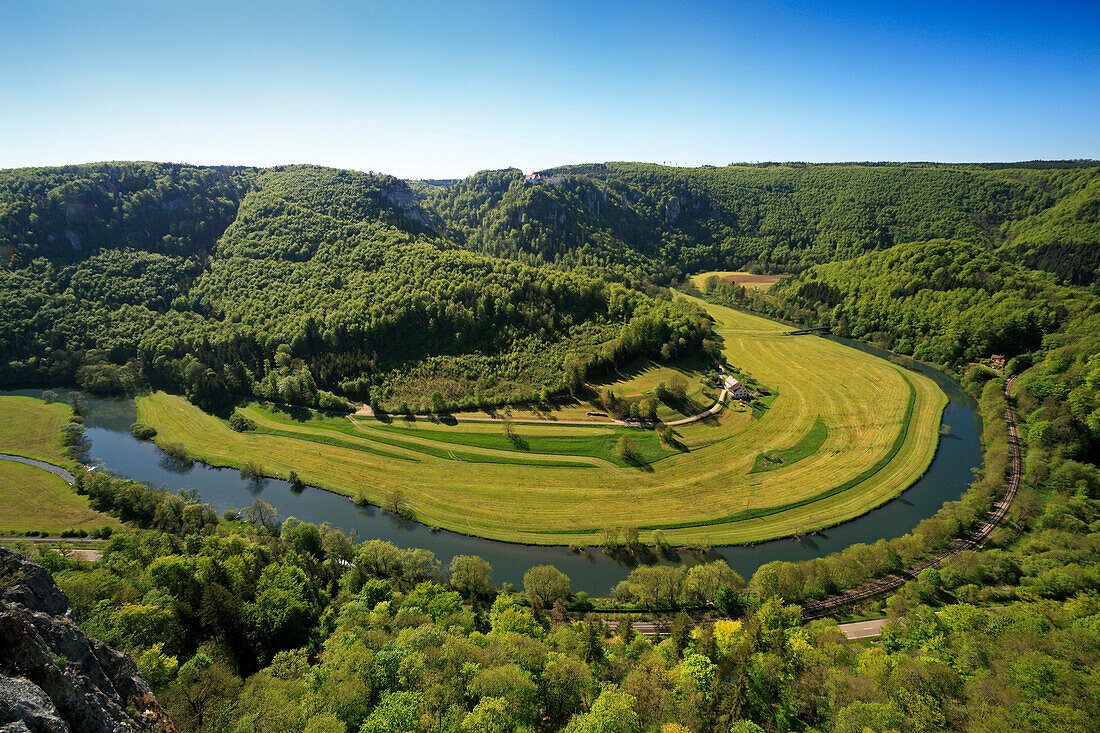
(311, 284)
(291, 283)
(656, 219)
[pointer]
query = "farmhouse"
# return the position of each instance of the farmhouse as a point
(737, 390)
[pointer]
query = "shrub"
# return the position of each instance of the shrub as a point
(252, 470)
(329, 401)
(72, 434)
(176, 452)
(240, 423)
(626, 448)
(141, 431)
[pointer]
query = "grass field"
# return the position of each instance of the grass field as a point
(853, 431)
(35, 499)
(31, 428)
(745, 279)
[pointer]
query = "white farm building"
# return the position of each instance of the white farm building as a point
(737, 390)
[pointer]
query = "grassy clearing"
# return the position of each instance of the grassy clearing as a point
(764, 511)
(880, 422)
(34, 499)
(748, 280)
(806, 447)
(593, 442)
(32, 429)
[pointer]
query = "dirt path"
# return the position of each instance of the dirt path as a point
(365, 411)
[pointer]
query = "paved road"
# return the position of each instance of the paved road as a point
(39, 464)
(854, 630)
(863, 629)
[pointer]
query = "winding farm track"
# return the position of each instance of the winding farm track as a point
(890, 583)
(56, 470)
(365, 411)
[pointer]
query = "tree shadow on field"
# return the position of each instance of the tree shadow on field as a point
(711, 421)
(294, 412)
(672, 440)
(637, 462)
(686, 407)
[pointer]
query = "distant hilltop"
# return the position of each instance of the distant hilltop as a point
(540, 178)
(439, 181)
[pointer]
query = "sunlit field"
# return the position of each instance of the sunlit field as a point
(850, 431)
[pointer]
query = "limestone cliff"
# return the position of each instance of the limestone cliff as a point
(53, 677)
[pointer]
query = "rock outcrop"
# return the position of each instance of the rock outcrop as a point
(672, 210)
(53, 677)
(404, 199)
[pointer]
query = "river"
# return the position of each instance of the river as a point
(951, 471)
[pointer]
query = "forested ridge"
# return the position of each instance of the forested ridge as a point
(315, 285)
(777, 217)
(300, 284)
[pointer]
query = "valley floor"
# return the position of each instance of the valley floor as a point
(874, 430)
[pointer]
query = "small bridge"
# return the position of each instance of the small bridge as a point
(804, 331)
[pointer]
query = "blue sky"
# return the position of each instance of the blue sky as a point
(426, 89)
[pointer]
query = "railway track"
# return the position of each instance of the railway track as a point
(974, 539)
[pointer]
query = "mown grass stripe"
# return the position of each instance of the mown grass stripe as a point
(601, 446)
(759, 512)
(452, 455)
(810, 443)
(862, 399)
(333, 441)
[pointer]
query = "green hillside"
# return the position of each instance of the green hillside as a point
(307, 281)
(652, 220)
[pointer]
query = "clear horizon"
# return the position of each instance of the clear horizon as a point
(432, 90)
